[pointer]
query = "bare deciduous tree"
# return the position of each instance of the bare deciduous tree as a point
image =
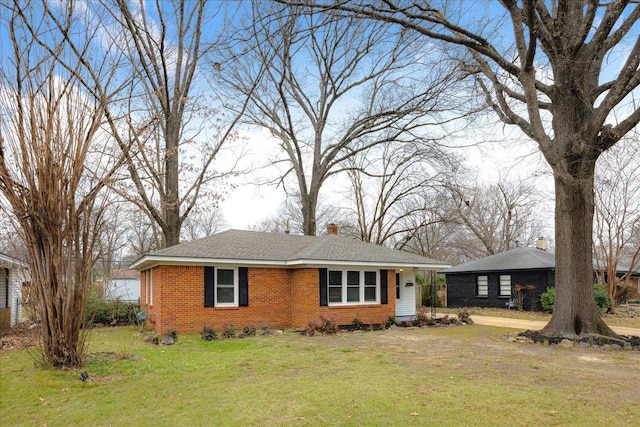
(204, 221)
(143, 235)
(387, 183)
(555, 83)
(430, 229)
(288, 219)
(112, 239)
(459, 223)
(329, 88)
(496, 216)
(54, 170)
(617, 217)
(161, 110)
(170, 114)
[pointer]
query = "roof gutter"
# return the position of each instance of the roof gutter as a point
(149, 261)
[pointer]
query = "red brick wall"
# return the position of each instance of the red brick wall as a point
(178, 300)
(305, 296)
(277, 297)
(306, 302)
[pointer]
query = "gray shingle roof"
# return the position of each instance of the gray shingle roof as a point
(519, 259)
(513, 259)
(286, 249)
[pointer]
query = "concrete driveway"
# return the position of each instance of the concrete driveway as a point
(536, 324)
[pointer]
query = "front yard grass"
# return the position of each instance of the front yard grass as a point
(458, 375)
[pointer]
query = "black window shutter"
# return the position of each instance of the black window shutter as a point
(243, 282)
(384, 297)
(209, 286)
(324, 297)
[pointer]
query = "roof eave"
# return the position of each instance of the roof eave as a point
(13, 261)
(501, 269)
(378, 264)
(149, 261)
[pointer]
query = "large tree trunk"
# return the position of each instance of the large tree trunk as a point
(171, 234)
(575, 310)
(309, 206)
(171, 205)
(60, 303)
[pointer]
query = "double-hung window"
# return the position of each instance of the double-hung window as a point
(226, 286)
(335, 286)
(353, 287)
(505, 286)
(370, 286)
(482, 286)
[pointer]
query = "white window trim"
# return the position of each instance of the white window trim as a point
(361, 301)
(151, 287)
(485, 286)
(144, 297)
(236, 288)
(148, 287)
(500, 294)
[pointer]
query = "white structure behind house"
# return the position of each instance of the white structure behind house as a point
(13, 275)
(124, 285)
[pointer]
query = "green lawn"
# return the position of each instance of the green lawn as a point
(465, 375)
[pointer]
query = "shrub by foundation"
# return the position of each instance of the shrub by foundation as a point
(228, 331)
(357, 324)
(391, 321)
(208, 333)
(326, 325)
(248, 331)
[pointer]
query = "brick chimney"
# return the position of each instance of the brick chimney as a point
(332, 229)
(541, 244)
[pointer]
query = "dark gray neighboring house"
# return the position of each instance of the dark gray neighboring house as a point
(519, 275)
(493, 281)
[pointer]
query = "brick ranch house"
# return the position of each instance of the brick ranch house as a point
(255, 278)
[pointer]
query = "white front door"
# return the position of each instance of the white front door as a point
(405, 295)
